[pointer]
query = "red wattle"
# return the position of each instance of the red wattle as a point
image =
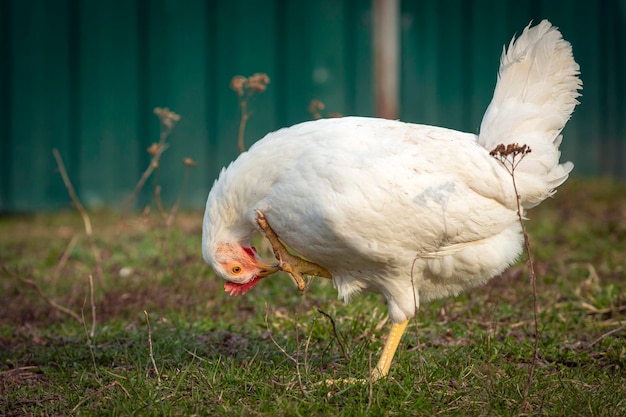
(240, 289)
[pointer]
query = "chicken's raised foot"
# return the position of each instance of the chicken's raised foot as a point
(292, 264)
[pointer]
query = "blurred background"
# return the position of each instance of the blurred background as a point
(84, 76)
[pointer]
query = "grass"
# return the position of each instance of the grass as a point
(265, 353)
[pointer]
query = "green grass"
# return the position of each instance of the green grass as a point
(469, 355)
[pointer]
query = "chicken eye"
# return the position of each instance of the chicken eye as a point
(235, 270)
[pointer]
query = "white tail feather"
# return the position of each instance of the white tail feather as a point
(534, 97)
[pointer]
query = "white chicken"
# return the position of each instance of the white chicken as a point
(411, 211)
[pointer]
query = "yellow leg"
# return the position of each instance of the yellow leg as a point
(293, 265)
(384, 363)
(389, 351)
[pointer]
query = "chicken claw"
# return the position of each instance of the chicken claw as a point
(292, 264)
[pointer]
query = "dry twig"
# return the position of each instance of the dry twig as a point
(93, 308)
(296, 325)
(168, 120)
(332, 322)
(306, 346)
(607, 334)
(49, 301)
(64, 258)
(416, 307)
(269, 332)
(156, 370)
(370, 384)
(167, 218)
(91, 334)
(189, 163)
(510, 156)
(416, 320)
(81, 210)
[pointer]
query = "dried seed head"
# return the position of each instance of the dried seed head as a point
(314, 108)
(189, 162)
(258, 82)
(153, 149)
(167, 117)
(238, 83)
(315, 105)
(510, 149)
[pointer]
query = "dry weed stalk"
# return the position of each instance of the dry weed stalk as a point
(96, 254)
(90, 334)
(510, 156)
(332, 322)
(81, 319)
(245, 88)
(370, 383)
(306, 347)
(189, 163)
(168, 120)
(297, 331)
(168, 217)
(420, 360)
(490, 332)
(94, 250)
(79, 207)
(64, 258)
(151, 352)
(43, 295)
(92, 300)
(269, 332)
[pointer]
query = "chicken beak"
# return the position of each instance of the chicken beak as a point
(265, 269)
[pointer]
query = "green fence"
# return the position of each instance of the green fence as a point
(84, 76)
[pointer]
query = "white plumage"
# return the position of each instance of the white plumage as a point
(411, 211)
